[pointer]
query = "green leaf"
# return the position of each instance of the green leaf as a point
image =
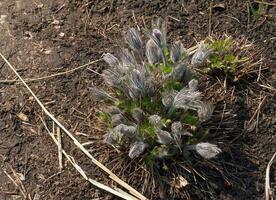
(151, 67)
(166, 122)
(126, 105)
(106, 118)
(183, 55)
(151, 157)
(257, 10)
(173, 85)
(165, 167)
(230, 58)
(148, 105)
(165, 69)
(216, 62)
(166, 52)
(222, 45)
(189, 118)
(147, 130)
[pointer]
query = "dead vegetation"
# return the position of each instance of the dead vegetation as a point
(240, 97)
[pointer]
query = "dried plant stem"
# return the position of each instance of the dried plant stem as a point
(193, 49)
(59, 139)
(15, 183)
(80, 170)
(267, 179)
(77, 143)
(53, 75)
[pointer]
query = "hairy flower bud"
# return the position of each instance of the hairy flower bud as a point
(157, 34)
(155, 120)
(114, 138)
(207, 150)
(133, 39)
(112, 110)
(153, 52)
(204, 110)
(111, 60)
(179, 71)
(176, 127)
(127, 59)
(101, 95)
(193, 85)
(168, 98)
(136, 149)
(129, 131)
(185, 98)
(138, 114)
(176, 52)
(201, 55)
(163, 137)
(118, 119)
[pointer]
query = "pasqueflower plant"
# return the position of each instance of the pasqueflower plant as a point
(154, 107)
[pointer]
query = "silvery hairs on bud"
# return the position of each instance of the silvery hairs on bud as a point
(193, 85)
(151, 87)
(138, 114)
(111, 60)
(201, 55)
(128, 59)
(101, 95)
(137, 79)
(118, 119)
(176, 127)
(136, 149)
(207, 150)
(184, 98)
(176, 52)
(112, 110)
(159, 32)
(111, 77)
(128, 131)
(153, 52)
(179, 71)
(204, 110)
(168, 97)
(155, 120)
(114, 138)
(164, 137)
(133, 39)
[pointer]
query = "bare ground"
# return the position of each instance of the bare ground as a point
(42, 38)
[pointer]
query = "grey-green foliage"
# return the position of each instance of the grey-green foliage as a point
(154, 98)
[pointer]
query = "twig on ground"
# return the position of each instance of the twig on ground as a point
(77, 143)
(175, 19)
(210, 20)
(52, 176)
(267, 179)
(59, 139)
(53, 75)
(135, 20)
(17, 182)
(257, 111)
(80, 170)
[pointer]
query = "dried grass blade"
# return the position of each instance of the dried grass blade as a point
(80, 170)
(76, 142)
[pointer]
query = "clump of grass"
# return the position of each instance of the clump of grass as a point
(155, 108)
(223, 57)
(258, 9)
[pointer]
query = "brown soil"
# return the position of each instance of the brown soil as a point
(46, 37)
